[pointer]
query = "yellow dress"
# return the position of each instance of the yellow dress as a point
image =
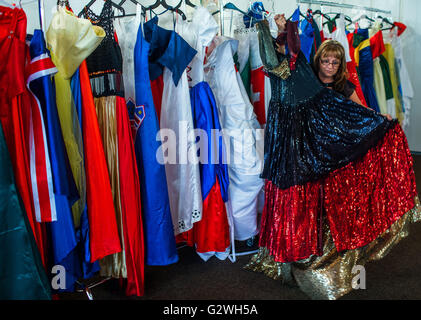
(70, 40)
(394, 106)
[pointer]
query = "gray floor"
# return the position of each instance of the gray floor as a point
(397, 276)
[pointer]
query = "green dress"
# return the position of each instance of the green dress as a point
(22, 276)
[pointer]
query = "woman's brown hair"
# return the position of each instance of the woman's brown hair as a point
(335, 49)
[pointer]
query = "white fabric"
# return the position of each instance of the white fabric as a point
(340, 36)
(126, 29)
(240, 131)
(405, 81)
(255, 59)
(220, 255)
(391, 103)
(268, 95)
(243, 52)
(198, 34)
(183, 175)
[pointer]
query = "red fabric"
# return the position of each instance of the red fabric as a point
(401, 27)
(157, 87)
(257, 82)
(130, 203)
(366, 197)
(322, 36)
(361, 200)
(103, 236)
(211, 234)
(292, 38)
(352, 70)
(289, 227)
(41, 175)
(377, 44)
(353, 77)
(15, 105)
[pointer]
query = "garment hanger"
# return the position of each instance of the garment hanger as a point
(305, 17)
(190, 4)
(232, 6)
(136, 3)
(174, 9)
(167, 7)
(360, 16)
(347, 18)
(63, 3)
(301, 15)
(318, 12)
(385, 20)
(337, 16)
(115, 5)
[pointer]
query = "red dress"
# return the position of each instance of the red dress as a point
(15, 110)
(352, 71)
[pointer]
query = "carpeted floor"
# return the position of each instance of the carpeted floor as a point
(397, 276)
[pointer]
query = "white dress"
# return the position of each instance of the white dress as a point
(199, 33)
(405, 81)
(126, 29)
(340, 35)
(183, 176)
(242, 135)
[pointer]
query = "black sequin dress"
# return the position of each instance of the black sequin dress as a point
(326, 157)
(311, 130)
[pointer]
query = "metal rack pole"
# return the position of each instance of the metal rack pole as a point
(343, 5)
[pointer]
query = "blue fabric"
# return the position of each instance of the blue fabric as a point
(306, 38)
(61, 233)
(160, 247)
(366, 72)
(255, 13)
(167, 49)
(77, 95)
(205, 117)
(82, 233)
(400, 91)
(296, 15)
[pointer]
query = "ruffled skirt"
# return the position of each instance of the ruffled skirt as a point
(338, 178)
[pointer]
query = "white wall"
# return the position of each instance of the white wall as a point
(405, 11)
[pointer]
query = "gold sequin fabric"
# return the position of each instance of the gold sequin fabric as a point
(329, 276)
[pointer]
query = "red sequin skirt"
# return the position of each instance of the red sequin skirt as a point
(360, 201)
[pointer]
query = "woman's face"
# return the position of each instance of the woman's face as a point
(329, 66)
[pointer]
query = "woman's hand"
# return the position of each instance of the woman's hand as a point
(280, 22)
(388, 116)
(280, 49)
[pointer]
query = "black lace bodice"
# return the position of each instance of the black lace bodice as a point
(105, 64)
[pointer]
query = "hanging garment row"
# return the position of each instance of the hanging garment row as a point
(98, 198)
(93, 131)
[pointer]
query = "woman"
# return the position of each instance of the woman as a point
(330, 67)
(340, 187)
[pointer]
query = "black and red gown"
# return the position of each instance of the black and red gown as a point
(327, 161)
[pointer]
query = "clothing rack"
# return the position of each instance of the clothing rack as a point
(41, 12)
(342, 5)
